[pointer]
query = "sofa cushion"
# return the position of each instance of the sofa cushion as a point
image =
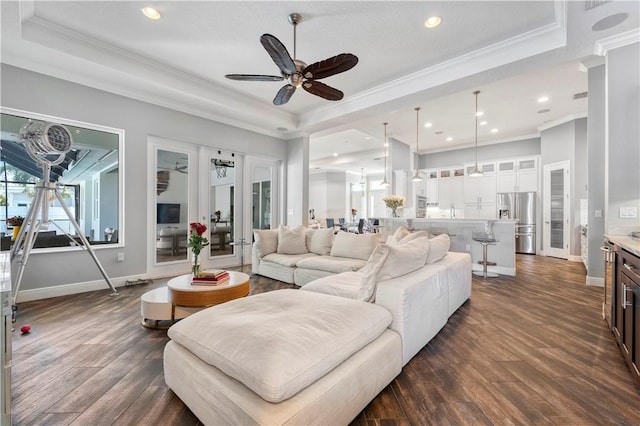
(331, 264)
(439, 247)
(346, 284)
(266, 241)
(414, 235)
(404, 258)
(289, 260)
(292, 241)
(319, 241)
(398, 235)
(255, 341)
(355, 246)
(367, 287)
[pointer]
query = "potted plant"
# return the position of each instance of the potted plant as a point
(393, 202)
(16, 222)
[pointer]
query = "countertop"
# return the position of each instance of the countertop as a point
(627, 242)
(460, 220)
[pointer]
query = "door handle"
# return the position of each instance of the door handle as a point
(546, 221)
(625, 302)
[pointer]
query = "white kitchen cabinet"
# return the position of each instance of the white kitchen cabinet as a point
(431, 187)
(451, 188)
(480, 211)
(480, 189)
(518, 175)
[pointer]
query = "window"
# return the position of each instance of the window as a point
(88, 177)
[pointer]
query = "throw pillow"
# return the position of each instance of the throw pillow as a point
(404, 258)
(266, 241)
(414, 235)
(355, 246)
(292, 241)
(367, 290)
(398, 235)
(319, 241)
(439, 247)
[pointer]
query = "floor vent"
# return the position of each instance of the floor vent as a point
(580, 95)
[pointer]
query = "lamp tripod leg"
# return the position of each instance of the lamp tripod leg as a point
(85, 242)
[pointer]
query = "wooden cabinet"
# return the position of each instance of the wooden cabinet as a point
(518, 175)
(626, 310)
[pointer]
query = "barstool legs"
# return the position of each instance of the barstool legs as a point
(485, 263)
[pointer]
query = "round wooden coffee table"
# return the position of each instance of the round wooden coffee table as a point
(183, 293)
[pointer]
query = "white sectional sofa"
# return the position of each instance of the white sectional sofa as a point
(302, 255)
(320, 355)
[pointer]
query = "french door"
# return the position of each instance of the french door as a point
(556, 210)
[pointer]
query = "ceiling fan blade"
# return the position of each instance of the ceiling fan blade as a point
(278, 53)
(284, 94)
(322, 90)
(252, 77)
(335, 65)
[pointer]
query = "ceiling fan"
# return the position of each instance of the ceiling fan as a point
(297, 73)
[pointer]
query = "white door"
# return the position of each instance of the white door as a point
(556, 210)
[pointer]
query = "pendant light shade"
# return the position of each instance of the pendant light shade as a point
(385, 182)
(417, 177)
(362, 181)
(476, 171)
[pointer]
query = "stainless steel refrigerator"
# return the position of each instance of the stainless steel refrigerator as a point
(520, 206)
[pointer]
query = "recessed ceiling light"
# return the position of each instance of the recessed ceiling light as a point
(494, 130)
(367, 137)
(151, 13)
(479, 113)
(483, 123)
(335, 154)
(432, 22)
(449, 139)
(543, 99)
(542, 111)
(428, 125)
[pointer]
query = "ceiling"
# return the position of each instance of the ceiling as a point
(513, 52)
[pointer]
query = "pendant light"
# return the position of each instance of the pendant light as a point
(362, 182)
(385, 182)
(476, 171)
(417, 177)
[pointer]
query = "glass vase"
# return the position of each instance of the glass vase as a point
(195, 268)
(394, 213)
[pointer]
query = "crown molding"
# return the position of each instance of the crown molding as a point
(626, 38)
(560, 121)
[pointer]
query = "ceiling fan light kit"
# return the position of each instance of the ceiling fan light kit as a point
(476, 172)
(296, 72)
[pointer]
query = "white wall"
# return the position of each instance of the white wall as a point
(297, 202)
(29, 91)
(623, 110)
(520, 148)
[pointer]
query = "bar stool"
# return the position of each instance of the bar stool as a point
(485, 239)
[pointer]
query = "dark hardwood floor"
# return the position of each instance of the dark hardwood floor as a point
(527, 350)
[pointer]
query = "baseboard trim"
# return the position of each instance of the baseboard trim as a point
(594, 281)
(67, 289)
(573, 258)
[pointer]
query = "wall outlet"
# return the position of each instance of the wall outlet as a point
(468, 247)
(120, 257)
(598, 213)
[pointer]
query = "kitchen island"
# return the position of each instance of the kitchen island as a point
(503, 253)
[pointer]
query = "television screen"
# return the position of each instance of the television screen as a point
(168, 213)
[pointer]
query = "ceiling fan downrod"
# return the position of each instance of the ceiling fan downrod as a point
(294, 18)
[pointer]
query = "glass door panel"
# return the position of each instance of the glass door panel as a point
(171, 206)
(222, 184)
(556, 210)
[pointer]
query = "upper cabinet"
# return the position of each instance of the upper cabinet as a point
(480, 189)
(431, 187)
(518, 175)
(451, 187)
